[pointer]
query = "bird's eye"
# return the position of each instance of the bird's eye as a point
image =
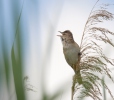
(63, 33)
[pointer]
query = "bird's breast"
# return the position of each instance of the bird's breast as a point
(71, 55)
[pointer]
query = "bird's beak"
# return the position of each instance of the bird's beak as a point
(61, 33)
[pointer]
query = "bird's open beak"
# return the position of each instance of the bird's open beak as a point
(60, 35)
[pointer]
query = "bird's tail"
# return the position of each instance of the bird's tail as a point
(77, 71)
(78, 77)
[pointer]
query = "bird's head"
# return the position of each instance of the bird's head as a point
(66, 35)
(66, 38)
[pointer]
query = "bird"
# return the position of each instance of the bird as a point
(71, 51)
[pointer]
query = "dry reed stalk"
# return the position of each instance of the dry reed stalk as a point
(93, 61)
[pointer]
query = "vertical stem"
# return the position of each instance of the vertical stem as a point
(73, 84)
(72, 89)
(104, 92)
(87, 22)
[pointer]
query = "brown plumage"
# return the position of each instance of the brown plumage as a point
(71, 52)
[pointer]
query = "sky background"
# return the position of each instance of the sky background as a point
(44, 62)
